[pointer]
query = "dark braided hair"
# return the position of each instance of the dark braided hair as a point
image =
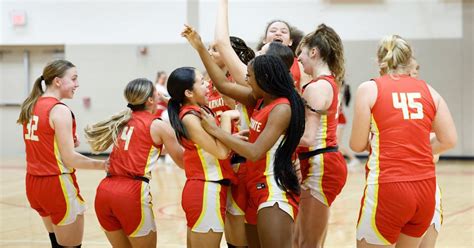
(244, 52)
(273, 77)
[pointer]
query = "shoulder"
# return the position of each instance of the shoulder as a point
(61, 110)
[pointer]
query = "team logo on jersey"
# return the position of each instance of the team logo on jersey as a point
(261, 186)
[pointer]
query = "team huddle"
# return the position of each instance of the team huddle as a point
(258, 144)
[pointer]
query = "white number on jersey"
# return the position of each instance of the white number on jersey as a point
(404, 101)
(32, 126)
(126, 136)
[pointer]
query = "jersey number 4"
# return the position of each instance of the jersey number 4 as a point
(404, 101)
(32, 126)
(126, 136)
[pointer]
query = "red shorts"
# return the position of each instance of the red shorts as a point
(55, 196)
(125, 203)
(237, 195)
(204, 204)
(264, 192)
(324, 175)
(388, 209)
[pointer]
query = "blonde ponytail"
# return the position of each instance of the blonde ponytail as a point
(103, 134)
(28, 105)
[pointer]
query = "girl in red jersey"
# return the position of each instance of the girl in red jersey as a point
(206, 160)
(49, 129)
(276, 31)
(323, 167)
(218, 103)
(123, 200)
(272, 184)
(398, 112)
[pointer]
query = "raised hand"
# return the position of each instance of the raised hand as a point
(192, 36)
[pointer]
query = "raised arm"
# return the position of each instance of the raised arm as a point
(162, 133)
(238, 92)
(61, 122)
(278, 121)
(237, 69)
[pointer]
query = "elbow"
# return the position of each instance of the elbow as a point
(357, 147)
(221, 155)
(451, 143)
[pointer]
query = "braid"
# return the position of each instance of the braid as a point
(272, 76)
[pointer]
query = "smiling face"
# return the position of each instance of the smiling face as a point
(199, 90)
(68, 83)
(306, 60)
(279, 32)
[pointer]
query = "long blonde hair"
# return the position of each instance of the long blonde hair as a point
(56, 68)
(394, 54)
(330, 49)
(103, 134)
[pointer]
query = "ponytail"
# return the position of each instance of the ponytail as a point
(173, 113)
(28, 105)
(102, 134)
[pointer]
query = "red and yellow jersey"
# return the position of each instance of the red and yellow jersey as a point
(135, 154)
(296, 73)
(263, 166)
(400, 127)
(42, 152)
(326, 133)
(200, 164)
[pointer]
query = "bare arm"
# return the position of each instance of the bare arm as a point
(319, 97)
(278, 121)
(364, 100)
(207, 142)
(236, 68)
(238, 92)
(162, 133)
(443, 125)
(61, 120)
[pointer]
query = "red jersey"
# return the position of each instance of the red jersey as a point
(326, 133)
(42, 152)
(400, 128)
(263, 166)
(215, 101)
(135, 153)
(296, 73)
(199, 164)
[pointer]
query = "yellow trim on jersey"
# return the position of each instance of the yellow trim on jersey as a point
(142, 193)
(324, 122)
(267, 170)
(218, 201)
(203, 162)
(142, 219)
(57, 156)
(66, 199)
(204, 205)
(376, 185)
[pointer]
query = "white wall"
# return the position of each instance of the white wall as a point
(160, 21)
